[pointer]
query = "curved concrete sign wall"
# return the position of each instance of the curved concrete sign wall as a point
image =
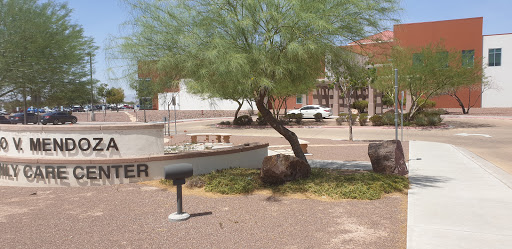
(89, 155)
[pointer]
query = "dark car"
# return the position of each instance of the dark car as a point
(58, 117)
(20, 117)
(4, 120)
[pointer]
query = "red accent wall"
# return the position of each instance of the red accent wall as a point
(460, 34)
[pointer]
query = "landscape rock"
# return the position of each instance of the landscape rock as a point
(280, 168)
(388, 157)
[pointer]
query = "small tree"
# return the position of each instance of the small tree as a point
(115, 96)
(349, 72)
(429, 71)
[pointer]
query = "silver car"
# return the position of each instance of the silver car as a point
(309, 111)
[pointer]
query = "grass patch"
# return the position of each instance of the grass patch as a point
(336, 184)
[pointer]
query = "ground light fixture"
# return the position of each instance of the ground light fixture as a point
(177, 173)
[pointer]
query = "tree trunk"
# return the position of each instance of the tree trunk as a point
(238, 109)
(349, 100)
(290, 136)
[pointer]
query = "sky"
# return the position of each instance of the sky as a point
(101, 19)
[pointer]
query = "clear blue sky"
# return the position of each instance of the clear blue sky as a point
(101, 18)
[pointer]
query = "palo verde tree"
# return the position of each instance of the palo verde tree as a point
(431, 71)
(43, 54)
(266, 45)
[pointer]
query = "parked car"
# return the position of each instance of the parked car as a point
(58, 117)
(4, 120)
(20, 118)
(309, 111)
(3, 112)
(78, 108)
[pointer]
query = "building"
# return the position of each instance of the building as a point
(498, 68)
(464, 35)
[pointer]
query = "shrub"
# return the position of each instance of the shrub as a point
(298, 118)
(284, 120)
(318, 117)
(388, 118)
(260, 120)
(340, 120)
(360, 105)
(376, 120)
(243, 120)
(363, 119)
(420, 120)
(225, 123)
(354, 118)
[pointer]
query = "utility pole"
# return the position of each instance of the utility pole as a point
(92, 88)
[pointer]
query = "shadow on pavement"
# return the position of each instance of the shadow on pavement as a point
(200, 214)
(422, 181)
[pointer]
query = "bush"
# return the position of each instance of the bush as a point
(243, 120)
(376, 120)
(363, 119)
(318, 117)
(354, 118)
(260, 120)
(225, 123)
(341, 119)
(420, 120)
(388, 118)
(360, 105)
(283, 120)
(296, 116)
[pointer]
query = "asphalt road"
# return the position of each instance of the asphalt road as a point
(488, 137)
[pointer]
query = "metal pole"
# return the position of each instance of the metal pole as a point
(402, 117)
(179, 199)
(396, 104)
(92, 88)
(175, 128)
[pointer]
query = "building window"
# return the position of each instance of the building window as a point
(468, 58)
(494, 57)
(299, 99)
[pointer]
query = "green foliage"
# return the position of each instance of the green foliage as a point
(342, 118)
(243, 120)
(336, 184)
(376, 120)
(388, 118)
(296, 116)
(388, 100)
(268, 49)
(318, 117)
(360, 105)
(44, 56)
(115, 95)
(425, 104)
(429, 71)
(363, 119)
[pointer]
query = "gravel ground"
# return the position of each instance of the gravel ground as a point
(135, 216)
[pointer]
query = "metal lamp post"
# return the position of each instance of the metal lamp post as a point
(92, 88)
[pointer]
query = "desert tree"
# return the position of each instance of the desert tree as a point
(263, 45)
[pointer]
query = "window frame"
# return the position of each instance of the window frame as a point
(493, 54)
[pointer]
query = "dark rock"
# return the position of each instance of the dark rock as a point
(388, 157)
(278, 169)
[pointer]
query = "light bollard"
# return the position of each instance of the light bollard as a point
(177, 173)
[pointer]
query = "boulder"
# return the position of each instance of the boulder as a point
(280, 168)
(388, 157)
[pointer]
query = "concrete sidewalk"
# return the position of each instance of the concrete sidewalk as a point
(457, 199)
